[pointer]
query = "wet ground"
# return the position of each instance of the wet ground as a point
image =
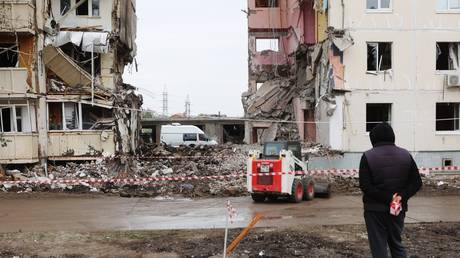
(89, 213)
(421, 240)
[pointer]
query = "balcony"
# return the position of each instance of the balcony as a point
(13, 81)
(17, 16)
(18, 148)
(80, 145)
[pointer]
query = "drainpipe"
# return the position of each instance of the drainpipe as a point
(343, 15)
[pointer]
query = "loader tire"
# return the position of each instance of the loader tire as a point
(297, 191)
(309, 190)
(258, 197)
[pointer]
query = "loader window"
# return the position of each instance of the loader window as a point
(272, 149)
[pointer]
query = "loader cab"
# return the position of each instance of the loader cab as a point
(272, 149)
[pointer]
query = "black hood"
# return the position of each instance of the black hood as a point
(382, 133)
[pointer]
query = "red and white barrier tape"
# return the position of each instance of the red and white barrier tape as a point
(315, 172)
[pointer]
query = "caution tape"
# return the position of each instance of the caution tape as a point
(314, 172)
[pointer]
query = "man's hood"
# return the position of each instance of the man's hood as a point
(382, 133)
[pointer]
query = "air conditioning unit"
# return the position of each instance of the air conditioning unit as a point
(453, 80)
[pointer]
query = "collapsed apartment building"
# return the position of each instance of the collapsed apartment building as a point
(62, 95)
(327, 71)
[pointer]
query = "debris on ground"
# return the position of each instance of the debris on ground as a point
(162, 161)
(156, 161)
(421, 240)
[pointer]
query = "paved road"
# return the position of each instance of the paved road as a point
(114, 213)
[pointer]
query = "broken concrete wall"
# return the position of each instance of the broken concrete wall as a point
(310, 88)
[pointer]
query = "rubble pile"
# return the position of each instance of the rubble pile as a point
(155, 162)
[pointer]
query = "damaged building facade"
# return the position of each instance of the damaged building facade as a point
(62, 96)
(327, 71)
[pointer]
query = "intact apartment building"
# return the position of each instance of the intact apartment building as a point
(62, 96)
(387, 60)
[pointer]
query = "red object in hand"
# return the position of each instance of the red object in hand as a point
(395, 208)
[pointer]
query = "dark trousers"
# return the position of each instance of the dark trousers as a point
(384, 229)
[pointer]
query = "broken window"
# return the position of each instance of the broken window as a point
(448, 5)
(71, 116)
(378, 4)
(8, 55)
(378, 56)
(82, 58)
(55, 116)
(447, 116)
(190, 137)
(377, 113)
(65, 6)
(6, 119)
(95, 7)
(83, 9)
(96, 118)
(447, 56)
(264, 44)
(266, 3)
(258, 85)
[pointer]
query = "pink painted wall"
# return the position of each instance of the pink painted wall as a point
(291, 23)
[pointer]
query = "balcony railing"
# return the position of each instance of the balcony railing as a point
(79, 145)
(13, 81)
(18, 148)
(17, 16)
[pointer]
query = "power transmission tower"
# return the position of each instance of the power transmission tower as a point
(165, 101)
(188, 103)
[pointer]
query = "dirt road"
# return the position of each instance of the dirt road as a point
(97, 213)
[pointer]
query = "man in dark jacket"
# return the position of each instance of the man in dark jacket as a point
(387, 173)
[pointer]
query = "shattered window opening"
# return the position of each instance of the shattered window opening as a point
(71, 115)
(18, 119)
(65, 6)
(447, 117)
(377, 113)
(6, 119)
(264, 44)
(378, 4)
(83, 9)
(379, 56)
(189, 137)
(8, 55)
(449, 5)
(447, 56)
(266, 3)
(96, 118)
(82, 58)
(55, 116)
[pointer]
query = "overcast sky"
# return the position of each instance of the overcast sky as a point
(193, 47)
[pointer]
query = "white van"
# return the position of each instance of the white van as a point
(177, 134)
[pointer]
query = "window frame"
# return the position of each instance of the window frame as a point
(448, 10)
(185, 139)
(448, 72)
(13, 118)
(64, 126)
(278, 39)
(457, 117)
(90, 9)
(390, 114)
(379, 8)
(378, 70)
(268, 6)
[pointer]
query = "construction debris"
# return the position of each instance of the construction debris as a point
(222, 160)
